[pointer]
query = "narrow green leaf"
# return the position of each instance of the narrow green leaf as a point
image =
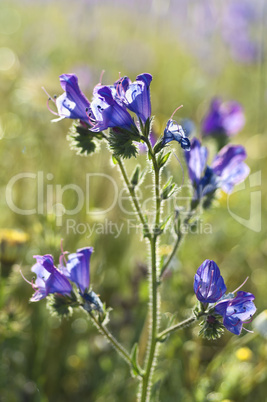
(135, 176)
(163, 158)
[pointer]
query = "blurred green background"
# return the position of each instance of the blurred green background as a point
(192, 50)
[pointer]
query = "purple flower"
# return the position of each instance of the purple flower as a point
(174, 131)
(78, 268)
(228, 165)
(49, 280)
(108, 112)
(72, 103)
(236, 311)
(209, 285)
(136, 95)
(223, 118)
(226, 170)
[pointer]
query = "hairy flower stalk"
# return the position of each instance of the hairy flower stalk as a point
(154, 296)
(116, 345)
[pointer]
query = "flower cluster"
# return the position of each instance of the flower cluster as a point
(210, 288)
(110, 109)
(59, 281)
(226, 170)
(109, 105)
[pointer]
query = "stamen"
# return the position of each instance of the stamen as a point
(49, 108)
(49, 96)
(101, 76)
(238, 321)
(91, 121)
(179, 107)
(242, 284)
(26, 280)
(62, 257)
(248, 321)
(248, 330)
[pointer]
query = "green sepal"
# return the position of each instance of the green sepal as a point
(121, 141)
(212, 328)
(145, 128)
(82, 140)
(163, 158)
(62, 305)
(136, 370)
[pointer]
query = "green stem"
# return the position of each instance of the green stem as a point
(134, 198)
(154, 302)
(117, 346)
(153, 289)
(180, 325)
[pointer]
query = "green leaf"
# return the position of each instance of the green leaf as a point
(114, 160)
(168, 189)
(135, 176)
(158, 147)
(163, 158)
(165, 223)
(121, 141)
(82, 140)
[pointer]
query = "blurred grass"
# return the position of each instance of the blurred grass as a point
(43, 359)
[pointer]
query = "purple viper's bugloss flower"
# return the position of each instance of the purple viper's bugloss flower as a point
(108, 112)
(175, 132)
(72, 103)
(226, 170)
(49, 280)
(223, 118)
(209, 285)
(229, 167)
(236, 311)
(136, 95)
(77, 268)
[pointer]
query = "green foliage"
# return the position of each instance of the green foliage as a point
(163, 159)
(62, 306)
(168, 189)
(82, 140)
(135, 176)
(121, 142)
(212, 328)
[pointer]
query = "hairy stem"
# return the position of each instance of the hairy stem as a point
(117, 346)
(154, 297)
(180, 325)
(134, 198)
